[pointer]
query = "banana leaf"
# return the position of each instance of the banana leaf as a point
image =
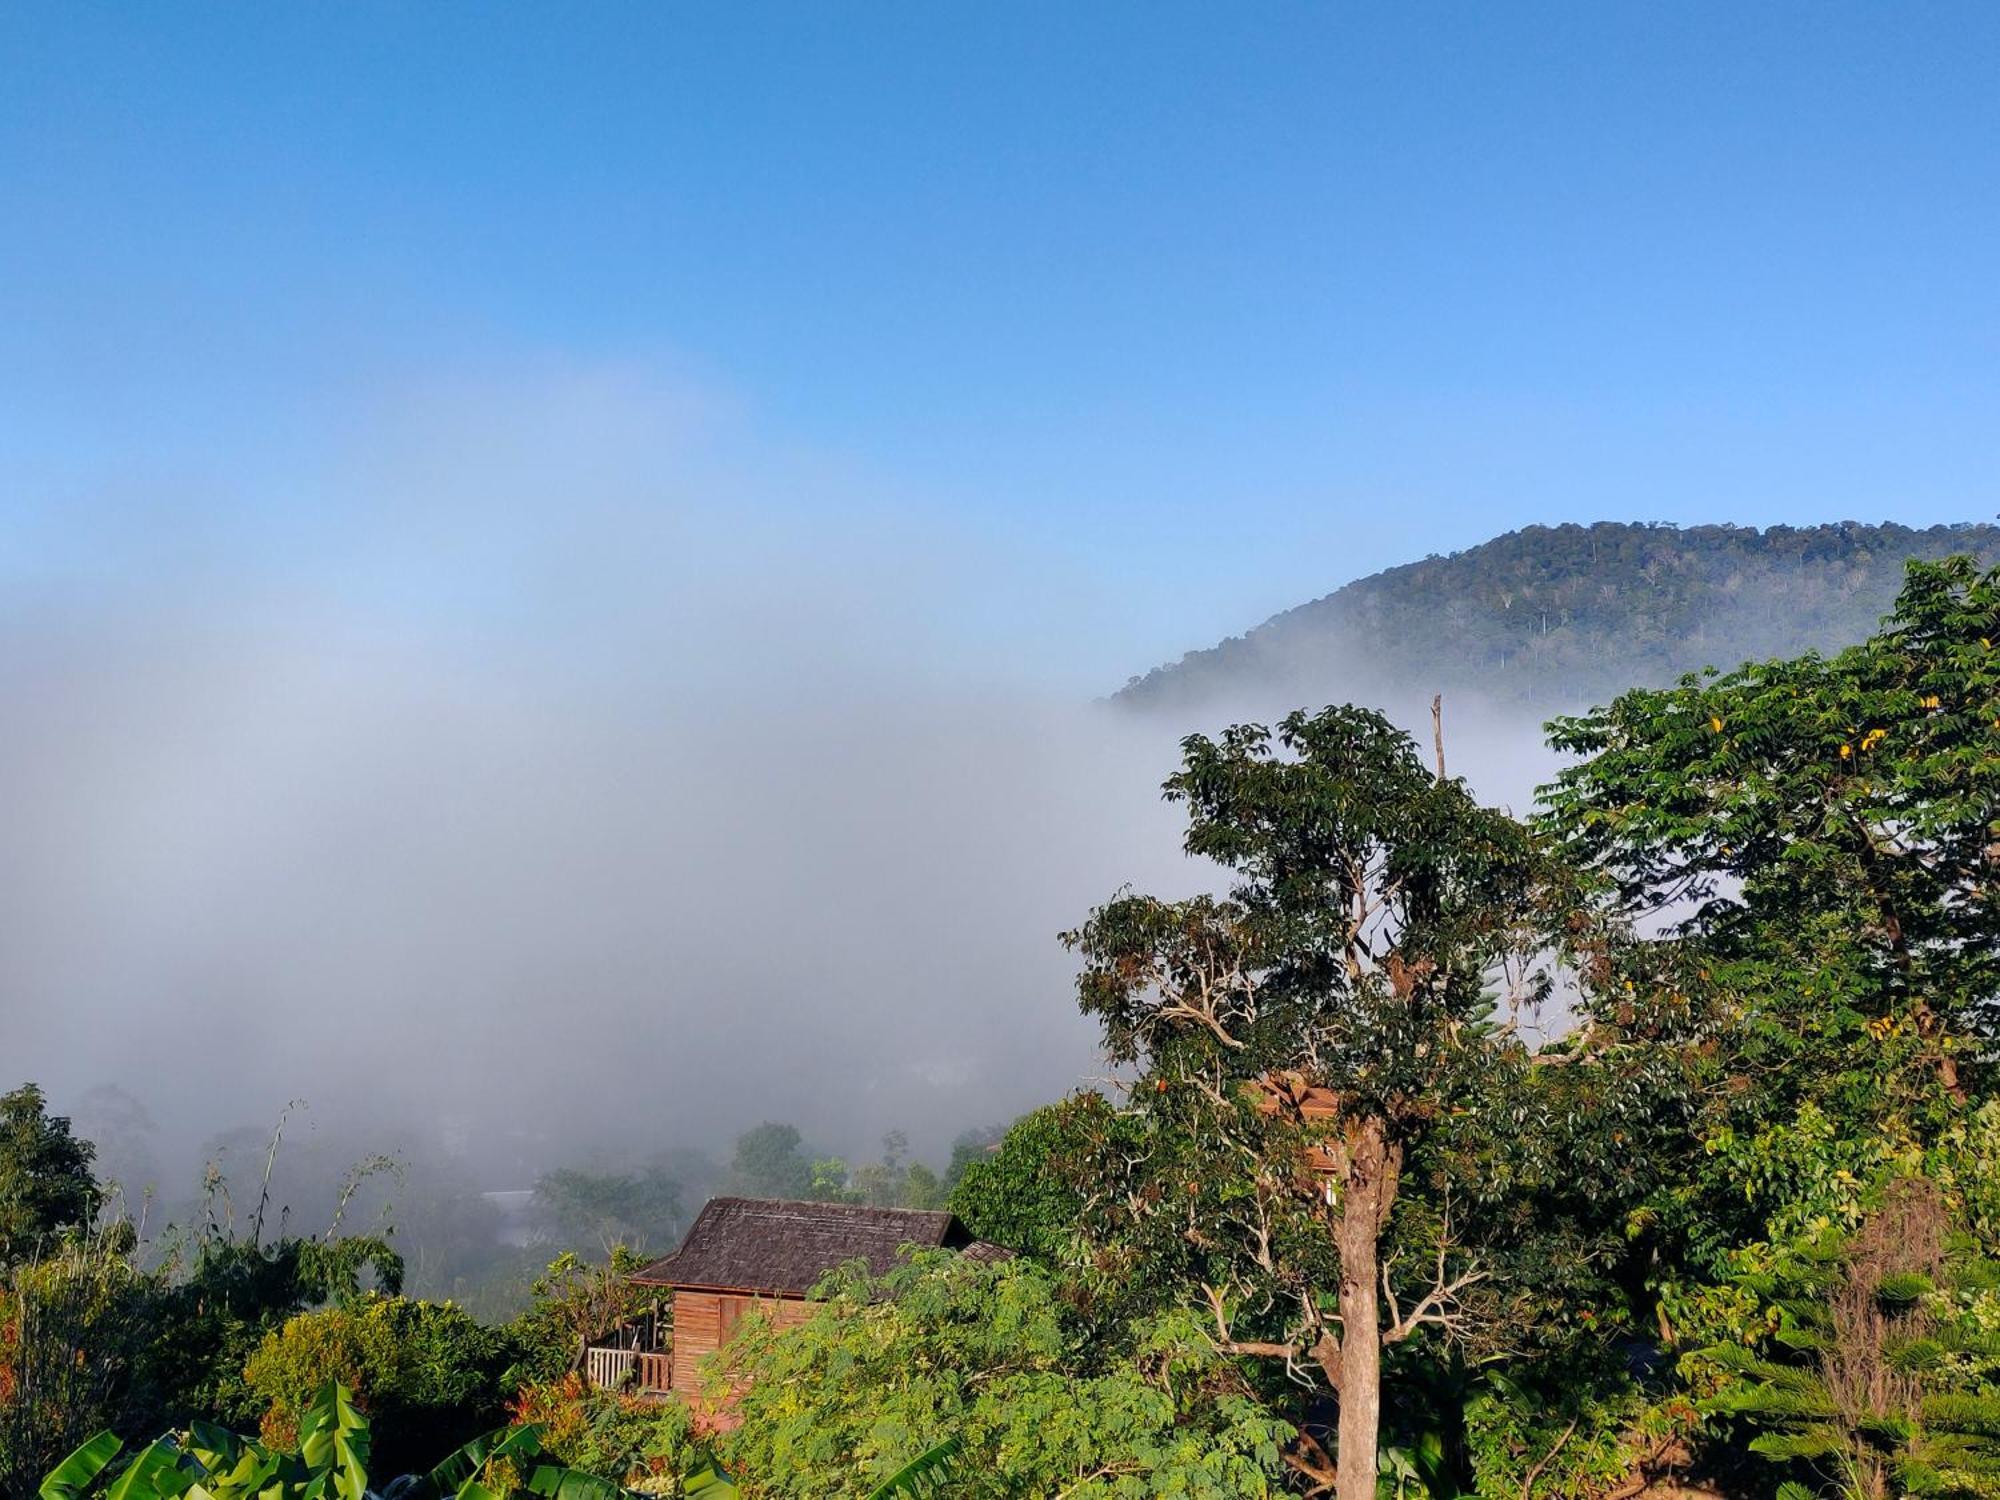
(154, 1474)
(710, 1483)
(334, 1441)
(462, 1467)
(926, 1474)
(555, 1482)
(73, 1475)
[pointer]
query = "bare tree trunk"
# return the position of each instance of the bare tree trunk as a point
(1367, 1193)
(1360, 1362)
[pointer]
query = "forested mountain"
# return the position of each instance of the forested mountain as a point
(1556, 617)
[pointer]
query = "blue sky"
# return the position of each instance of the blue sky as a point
(1144, 320)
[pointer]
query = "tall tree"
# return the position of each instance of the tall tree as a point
(1299, 1037)
(1796, 862)
(770, 1160)
(604, 1209)
(45, 1182)
(1829, 828)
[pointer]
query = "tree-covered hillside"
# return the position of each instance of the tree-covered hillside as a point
(1555, 617)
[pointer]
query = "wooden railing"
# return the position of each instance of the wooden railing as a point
(632, 1356)
(656, 1371)
(609, 1369)
(636, 1370)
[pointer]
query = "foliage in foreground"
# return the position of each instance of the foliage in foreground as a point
(640, 1444)
(336, 1441)
(427, 1371)
(985, 1356)
(1877, 1378)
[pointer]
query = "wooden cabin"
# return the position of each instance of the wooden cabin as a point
(762, 1254)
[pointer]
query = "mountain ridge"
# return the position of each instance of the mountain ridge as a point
(1557, 617)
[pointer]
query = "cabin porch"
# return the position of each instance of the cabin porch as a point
(635, 1357)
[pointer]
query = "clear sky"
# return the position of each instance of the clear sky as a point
(1176, 314)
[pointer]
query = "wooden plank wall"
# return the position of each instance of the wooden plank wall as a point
(697, 1334)
(703, 1322)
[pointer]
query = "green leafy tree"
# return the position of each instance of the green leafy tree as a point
(46, 1187)
(642, 1210)
(770, 1161)
(896, 1181)
(1028, 1192)
(1796, 944)
(944, 1351)
(1825, 826)
(1809, 846)
(921, 1187)
(1298, 1038)
(830, 1181)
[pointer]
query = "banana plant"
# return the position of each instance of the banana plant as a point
(928, 1474)
(461, 1474)
(71, 1478)
(710, 1483)
(211, 1463)
(334, 1443)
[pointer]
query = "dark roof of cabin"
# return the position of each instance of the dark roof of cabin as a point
(780, 1247)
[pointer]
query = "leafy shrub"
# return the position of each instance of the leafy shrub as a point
(1023, 1193)
(572, 1302)
(73, 1354)
(431, 1372)
(629, 1441)
(945, 1348)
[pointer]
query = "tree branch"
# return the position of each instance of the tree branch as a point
(1439, 1307)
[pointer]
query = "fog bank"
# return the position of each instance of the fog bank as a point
(554, 776)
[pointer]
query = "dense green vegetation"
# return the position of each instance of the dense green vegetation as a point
(991, 1356)
(1348, 1226)
(332, 1455)
(1550, 618)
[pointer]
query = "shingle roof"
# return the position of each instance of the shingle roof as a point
(780, 1247)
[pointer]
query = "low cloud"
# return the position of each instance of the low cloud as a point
(556, 767)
